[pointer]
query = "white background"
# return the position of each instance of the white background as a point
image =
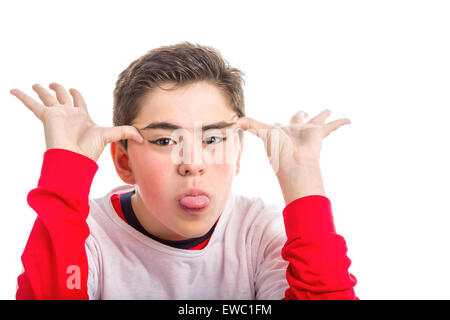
(383, 64)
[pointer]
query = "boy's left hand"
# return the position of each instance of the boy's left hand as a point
(295, 147)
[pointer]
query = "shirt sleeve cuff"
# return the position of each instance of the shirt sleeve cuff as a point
(67, 172)
(310, 215)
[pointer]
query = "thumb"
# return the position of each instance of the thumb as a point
(113, 134)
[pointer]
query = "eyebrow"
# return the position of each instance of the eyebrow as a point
(170, 126)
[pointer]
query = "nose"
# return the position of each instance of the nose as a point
(192, 158)
(185, 169)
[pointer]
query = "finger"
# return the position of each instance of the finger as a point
(333, 125)
(118, 133)
(29, 102)
(298, 117)
(78, 100)
(61, 93)
(259, 129)
(47, 98)
(269, 134)
(321, 117)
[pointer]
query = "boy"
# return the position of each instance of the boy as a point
(176, 231)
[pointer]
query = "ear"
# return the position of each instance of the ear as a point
(121, 163)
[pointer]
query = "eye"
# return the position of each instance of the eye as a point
(163, 142)
(214, 139)
(167, 141)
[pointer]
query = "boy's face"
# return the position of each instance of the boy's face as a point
(172, 162)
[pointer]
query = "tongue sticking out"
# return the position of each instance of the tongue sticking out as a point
(194, 202)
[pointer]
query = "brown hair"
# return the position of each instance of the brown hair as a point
(181, 64)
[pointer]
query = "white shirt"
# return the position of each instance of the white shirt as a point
(242, 259)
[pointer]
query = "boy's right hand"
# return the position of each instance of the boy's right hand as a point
(68, 125)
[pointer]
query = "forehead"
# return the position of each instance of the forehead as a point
(200, 101)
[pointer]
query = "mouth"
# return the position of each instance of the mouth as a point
(194, 201)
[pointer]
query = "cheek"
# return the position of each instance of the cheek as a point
(152, 174)
(222, 175)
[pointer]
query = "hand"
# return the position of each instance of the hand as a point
(68, 125)
(294, 150)
(297, 143)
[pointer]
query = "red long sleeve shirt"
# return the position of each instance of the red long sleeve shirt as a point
(317, 255)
